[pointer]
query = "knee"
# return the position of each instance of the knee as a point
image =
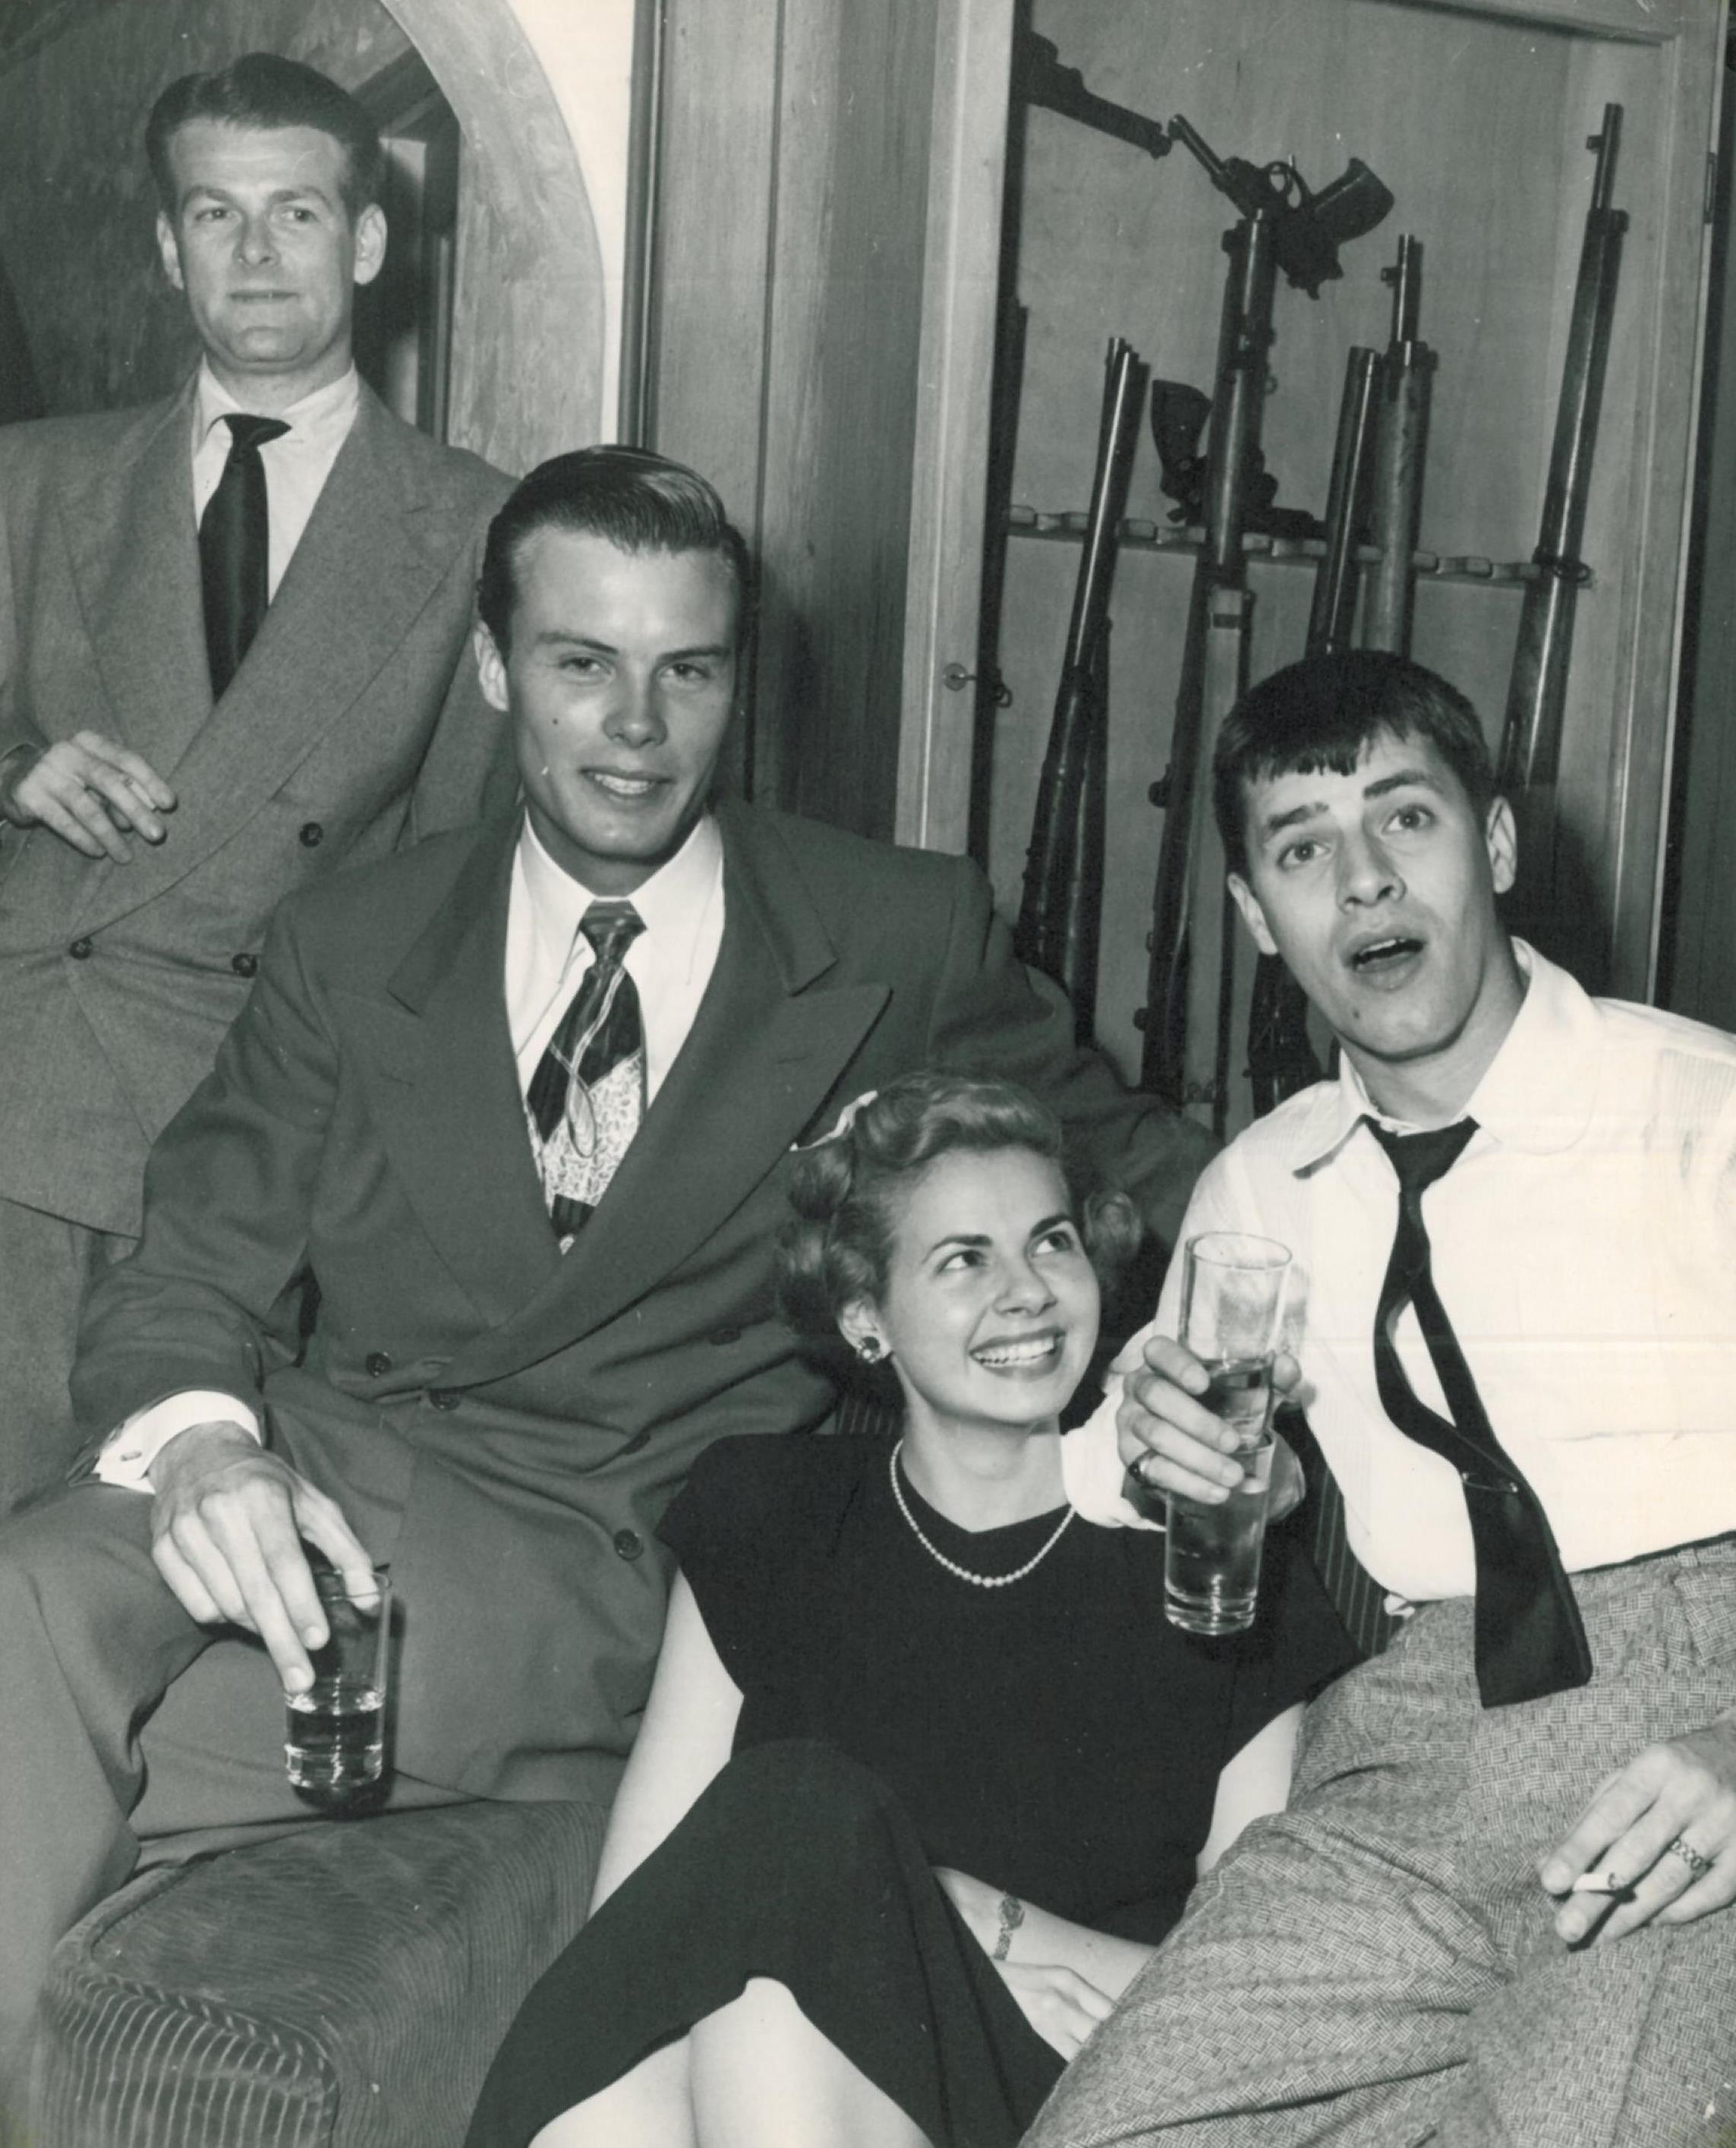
(80, 1563)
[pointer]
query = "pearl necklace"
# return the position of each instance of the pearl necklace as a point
(951, 1565)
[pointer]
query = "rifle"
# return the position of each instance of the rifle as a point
(1060, 914)
(1281, 1057)
(1282, 224)
(1531, 739)
(1038, 77)
(1407, 377)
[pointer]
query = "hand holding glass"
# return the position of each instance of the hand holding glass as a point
(1232, 1299)
(335, 1746)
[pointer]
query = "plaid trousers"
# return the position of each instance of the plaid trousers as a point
(1376, 1967)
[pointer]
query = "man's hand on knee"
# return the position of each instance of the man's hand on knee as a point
(226, 1527)
(1659, 1839)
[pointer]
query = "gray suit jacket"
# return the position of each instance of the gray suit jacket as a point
(504, 1424)
(353, 725)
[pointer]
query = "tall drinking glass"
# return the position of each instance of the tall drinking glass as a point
(1232, 1303)
(335, 1745)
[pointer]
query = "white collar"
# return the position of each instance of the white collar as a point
(1536, 1094)
(671, 903)
(326, 414)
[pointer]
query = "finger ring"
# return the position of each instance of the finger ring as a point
(1697, 1863)
(1140, 1467)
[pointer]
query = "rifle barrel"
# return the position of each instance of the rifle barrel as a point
(1537, 699)
(1335, 583)
(1214, 661)
(1060, 911)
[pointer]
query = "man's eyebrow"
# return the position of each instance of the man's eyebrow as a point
(1404, 779)
(307, 191)
(1274, 824)
(550, 636)
(569, 637)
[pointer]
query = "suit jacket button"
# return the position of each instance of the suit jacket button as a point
(80, 951)
(629, 1544)
(443, 1398)
(244, 966)
(379, 1363)
(311, 834)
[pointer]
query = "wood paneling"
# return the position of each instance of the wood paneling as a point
(1477, 122)
(792, 216)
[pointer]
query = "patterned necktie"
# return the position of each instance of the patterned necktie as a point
(1529, 1636)
(234, 549)
(587, 1095)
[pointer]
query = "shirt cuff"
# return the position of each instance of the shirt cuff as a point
(1093, 1473)
(126, 1456)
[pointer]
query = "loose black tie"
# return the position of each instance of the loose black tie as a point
(1529, 1639)
(587, 1095)
(234, 549)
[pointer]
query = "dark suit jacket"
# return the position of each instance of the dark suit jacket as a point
(504, 1424)
(354, 723)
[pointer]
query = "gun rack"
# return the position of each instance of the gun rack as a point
(1476, 114)
(1137, 533)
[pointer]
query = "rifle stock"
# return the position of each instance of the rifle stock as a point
(1060, 911)
(1407, 380)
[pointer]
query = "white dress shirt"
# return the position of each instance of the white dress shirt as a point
(297, 463)
(1585, 1246)
(681, 907)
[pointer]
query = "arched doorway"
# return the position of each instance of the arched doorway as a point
(530, 311)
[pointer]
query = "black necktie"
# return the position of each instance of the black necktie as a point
(1529, 1639)
(587, 1095)
(234, 549)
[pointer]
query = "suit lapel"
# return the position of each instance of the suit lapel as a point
(366, 566)
(134, 551)
(451, 1116)
(769, 1041)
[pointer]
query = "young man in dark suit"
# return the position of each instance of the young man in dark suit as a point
(234, 630)
(521, 1103)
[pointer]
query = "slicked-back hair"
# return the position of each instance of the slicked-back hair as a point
(637, 501)
(846, 1191)
(264, 90)
(1323, 714)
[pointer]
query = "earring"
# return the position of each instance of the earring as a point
(871, 1349)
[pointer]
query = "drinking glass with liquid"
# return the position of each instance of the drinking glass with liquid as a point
(335, 1744)
(1232, 1304)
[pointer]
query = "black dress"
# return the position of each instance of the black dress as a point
(1056, 1737)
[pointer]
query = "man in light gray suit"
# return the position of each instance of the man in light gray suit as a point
(233, 628)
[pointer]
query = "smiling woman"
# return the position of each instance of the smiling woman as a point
(924, 1775)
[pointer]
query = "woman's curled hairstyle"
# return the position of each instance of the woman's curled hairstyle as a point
(837, 1248)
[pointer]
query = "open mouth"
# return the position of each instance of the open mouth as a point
(1026, 1353)
(1378, 958)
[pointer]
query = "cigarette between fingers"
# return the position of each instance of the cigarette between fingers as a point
(1599, 1883)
